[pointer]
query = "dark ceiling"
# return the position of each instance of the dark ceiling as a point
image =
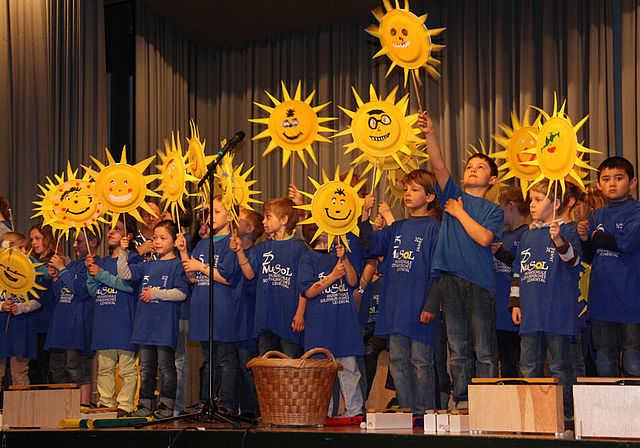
(211, 23)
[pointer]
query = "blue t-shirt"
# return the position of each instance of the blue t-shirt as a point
(226, 306)
(548, 288)
(614, 289)
(42, 316)
(114, 309)
(275, 264)
(72, 320)
(457, 252)
(510, 242)
(370, 304)
(20, 337)
(409, 247)
(156, 321)
(245, 292)
(331, 319)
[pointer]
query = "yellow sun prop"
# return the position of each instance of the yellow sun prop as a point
(121, 187)
(18, 274)
(405, 39)
(408, 162)
(70, 204)
(518, 139)
(395, 187)
(557, 148)
(293, 125)
(381, 129)
(240, 186)
(335, 207)
(173, 177)
(493, 194)
(198, 161)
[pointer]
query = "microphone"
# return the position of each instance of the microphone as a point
(231, 143)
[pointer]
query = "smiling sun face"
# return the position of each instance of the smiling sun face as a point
(121, 187)
(293, 125)
(18, 275)
(198, 161)
(335, 207)
(405, 39)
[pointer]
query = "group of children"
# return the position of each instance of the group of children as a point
(503, 299)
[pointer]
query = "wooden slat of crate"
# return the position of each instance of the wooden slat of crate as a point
(606, 411)
(40, 408)
(534, 408)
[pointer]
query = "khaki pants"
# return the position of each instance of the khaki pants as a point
(19, 370)
(126, 360)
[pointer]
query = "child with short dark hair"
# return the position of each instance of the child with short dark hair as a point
(280, 308)
(467, 287)
(544, 292)
(611, 242)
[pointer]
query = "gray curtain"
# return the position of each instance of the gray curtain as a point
(500, 56)
(52, 93)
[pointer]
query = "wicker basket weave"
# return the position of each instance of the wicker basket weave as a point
(294, 392)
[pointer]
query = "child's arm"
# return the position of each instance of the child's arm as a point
(431, 302)
(181, 245)
(514, 300)
(298, 320)
(350, 272)
(338, 272)
(385, 211)
(476, 231)
(567, 253)
(24, 307)
(367, 274)
(170, 295)
(433, 149)
(235, 244)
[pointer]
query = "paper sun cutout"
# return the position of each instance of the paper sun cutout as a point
(405, 39)
(335, 207)
(517, 139)
(198, 161)
(70, 204)
(293, 125)
(557, 148)
(121, 187)
(380, 128)
(18, 274)
(493, 193)
(173, 177)
(395, 187)
(241, 187)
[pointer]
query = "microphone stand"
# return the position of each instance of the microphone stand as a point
(210, 411)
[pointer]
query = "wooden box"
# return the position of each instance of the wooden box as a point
(40, 408)
(508, 405)
(389, 419)
(458, 422)
(607, 407)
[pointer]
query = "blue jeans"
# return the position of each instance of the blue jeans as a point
(268, 341)
(509, 353)
(533, 354)
(442, 375)
(469, 312)
(248, 398)
(182, 367)
(160, 359)
(412, 368)
(225, 379)
(349, 379)
(610, 340)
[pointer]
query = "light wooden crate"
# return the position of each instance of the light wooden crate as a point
(40, 408)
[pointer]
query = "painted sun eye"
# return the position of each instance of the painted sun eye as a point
(286, 124)
(113, 182)
(373, 123)
(404, 32)
(386, 119)
(294, 122)
(393, 31)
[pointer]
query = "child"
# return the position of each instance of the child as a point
(249, 230)
(467, 288)
(226, 275)
(408, 319)
(144, 238)
(155, 330)
(113, 317)
(18, 342)
(516, 210)
(69, 337)
(544, 292)
(611, 241)
(279, 307)
(331, 318)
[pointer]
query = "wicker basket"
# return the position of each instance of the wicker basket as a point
(294, 392)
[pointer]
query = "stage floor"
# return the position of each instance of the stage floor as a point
(192, 435)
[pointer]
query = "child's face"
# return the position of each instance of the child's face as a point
(204, 231)
(220, 217)
(151, 221)
(244, 225)
(477, 173)
(22, 247)
(37, 243)
(541, 206)
(116, 234)
(415, 196)
(615, 184)
(163, 242)
(80, 247)
(272, 222)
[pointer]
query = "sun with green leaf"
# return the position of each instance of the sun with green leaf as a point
(293, 125)
(518, 139)
(405, 40)
(335, 207)
(121, 187)
(558, 153)
(381, 129)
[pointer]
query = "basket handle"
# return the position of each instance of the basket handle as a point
(319, 350)
(275, 354)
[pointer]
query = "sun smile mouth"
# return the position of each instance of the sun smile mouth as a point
(114, 198)
(402, 44)
(337, 219)
(80, 212)
(380, 138)
(292, 138)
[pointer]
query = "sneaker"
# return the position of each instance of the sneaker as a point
(121, 413)
(142, 411)
(163, 411)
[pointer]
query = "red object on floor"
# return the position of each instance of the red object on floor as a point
(343, 421)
